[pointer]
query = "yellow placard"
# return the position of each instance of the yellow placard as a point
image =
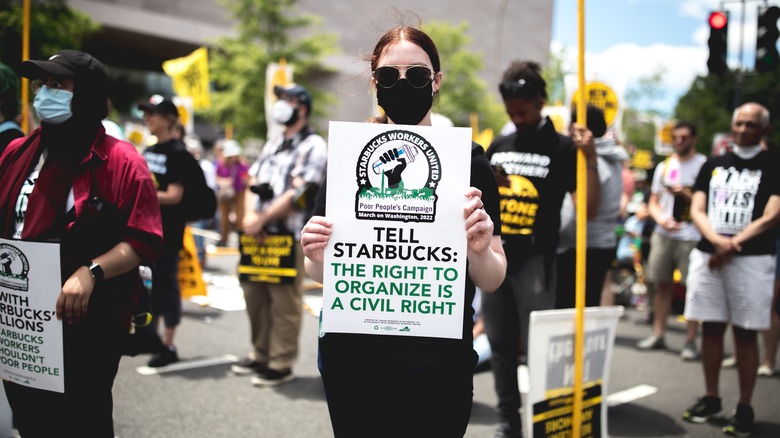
(642, 159)
(190, 273)
(600, 95)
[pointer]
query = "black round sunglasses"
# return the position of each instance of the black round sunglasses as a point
(418, 76)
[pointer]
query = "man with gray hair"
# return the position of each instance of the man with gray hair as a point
(736, 207)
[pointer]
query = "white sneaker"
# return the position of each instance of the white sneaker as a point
(765, 371)
(689, 352)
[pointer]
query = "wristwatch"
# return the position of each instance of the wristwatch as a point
(95, 270)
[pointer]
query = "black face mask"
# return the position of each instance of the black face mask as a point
(405, 104)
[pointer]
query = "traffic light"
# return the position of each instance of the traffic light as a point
(718, 42)
(767, 57)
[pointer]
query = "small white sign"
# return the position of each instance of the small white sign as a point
(31, 351)
(548, 410)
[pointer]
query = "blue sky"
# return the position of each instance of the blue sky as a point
(630, 39)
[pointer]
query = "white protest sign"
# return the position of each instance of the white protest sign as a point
(30, 333)
(396, 261)
(548, 410)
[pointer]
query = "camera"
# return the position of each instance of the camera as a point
(264, 191)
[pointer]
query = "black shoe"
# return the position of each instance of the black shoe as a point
(742, 422)
(506, 430)
(706, 408)
(166, 357)
(272, 377)
(247, 366)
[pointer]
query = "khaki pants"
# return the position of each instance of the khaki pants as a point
(275, 316)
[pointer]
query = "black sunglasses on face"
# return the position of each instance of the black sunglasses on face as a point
(418, 76)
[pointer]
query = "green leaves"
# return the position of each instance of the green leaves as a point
(238, 65)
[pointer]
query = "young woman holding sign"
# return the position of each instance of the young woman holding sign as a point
(390, 386)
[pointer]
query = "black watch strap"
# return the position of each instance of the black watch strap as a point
(95, 270)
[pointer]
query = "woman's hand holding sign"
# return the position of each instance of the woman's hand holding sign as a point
(487, 262)
(314, 238)
(479, 227)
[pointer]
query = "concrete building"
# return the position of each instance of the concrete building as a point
(138, 35)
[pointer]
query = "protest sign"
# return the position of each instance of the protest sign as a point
(548, 411)
(30, 333)
(396, 261)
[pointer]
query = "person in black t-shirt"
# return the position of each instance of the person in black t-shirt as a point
(736, 207)
(535, 166)
(166, 161)
(368, 378)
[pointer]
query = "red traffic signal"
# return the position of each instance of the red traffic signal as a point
(718, 20)
(718, 42)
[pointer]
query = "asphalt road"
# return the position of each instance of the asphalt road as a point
(207, 400)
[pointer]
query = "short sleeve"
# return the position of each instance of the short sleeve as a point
(702, 183)
(312, 165)
(483, 178)
(657, 185)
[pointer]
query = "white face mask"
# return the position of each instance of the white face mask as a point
(283, 112)
(53, 107)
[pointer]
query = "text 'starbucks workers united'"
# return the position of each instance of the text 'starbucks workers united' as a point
(397, 175)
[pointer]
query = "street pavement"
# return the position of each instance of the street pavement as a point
(200, 397)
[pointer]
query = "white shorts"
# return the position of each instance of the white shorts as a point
(740, 293)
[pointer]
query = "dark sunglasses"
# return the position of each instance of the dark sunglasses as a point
(418, 76)
(520, 88)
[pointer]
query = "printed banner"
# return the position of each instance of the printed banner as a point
(30, 333)
(271, 262)
(551, 371)
(396, 261)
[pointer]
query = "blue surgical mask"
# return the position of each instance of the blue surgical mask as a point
(53, 106)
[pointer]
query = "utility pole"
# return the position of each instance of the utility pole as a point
(740, 66)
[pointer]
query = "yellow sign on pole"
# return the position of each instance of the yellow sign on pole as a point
(190, 76)
(600, 95)
(663, 139)
(280, 74)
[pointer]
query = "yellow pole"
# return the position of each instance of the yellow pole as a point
(25, 56)
(582, 218)
(228, 130)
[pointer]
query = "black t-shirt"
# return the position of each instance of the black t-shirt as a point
(7, 135)
(540, 167)
(482, 177)
(166, 161)
(737, 191)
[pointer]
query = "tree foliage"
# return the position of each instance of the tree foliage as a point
(554, 76)
(265, 34)
(711, 100)
(463, 92)
(53, 26)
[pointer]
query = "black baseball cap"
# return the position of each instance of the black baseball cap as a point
(160, 105)
(297, 91)
(66, 63)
